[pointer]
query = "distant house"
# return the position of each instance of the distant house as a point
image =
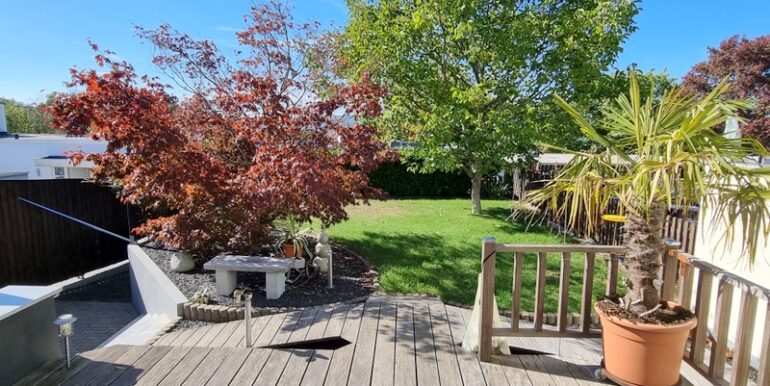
(42, 156)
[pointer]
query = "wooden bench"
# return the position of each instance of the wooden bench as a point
(225, 268)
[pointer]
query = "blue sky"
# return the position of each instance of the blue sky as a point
(40, 40)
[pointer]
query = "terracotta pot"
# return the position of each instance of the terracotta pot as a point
(289, 251)
(643, 354)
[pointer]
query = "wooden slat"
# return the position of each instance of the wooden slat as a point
(564, 291)
(232, 363)
(492, 373)
(530, 248)
(339, 368)
(427, 365)
(120, 365)
(448, 371)
(298, 361)
(588, 286)
(142, 366)
(187, 365)
(686, 274)
(224, 335)
(721, 329)
(405, 357)
(488, 255)
(254, 363)
(612, 275)
(164, 366)
(518, 263)
(542, 261)
(763, 373)
(319, 363)
(385, 350)
(278, 359)
(363, 358)
(469, 365)
(210, 335)
(200, 375)
(702, 306)
(94, 368)
(742, 350)
(197, 335)
(670, 265)
(531, 332)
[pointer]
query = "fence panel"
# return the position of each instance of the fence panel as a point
(37, 247)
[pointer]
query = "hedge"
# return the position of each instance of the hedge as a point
(394, 178)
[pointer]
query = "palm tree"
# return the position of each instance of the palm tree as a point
(652, 154)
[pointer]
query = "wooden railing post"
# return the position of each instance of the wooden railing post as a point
(518, 263)
(566, 257)
(488, 255)
(742, 351)
(612, 275)
(669, 270)
(721, 329)
(763, 375)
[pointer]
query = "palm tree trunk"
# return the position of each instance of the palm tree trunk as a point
(643, 257)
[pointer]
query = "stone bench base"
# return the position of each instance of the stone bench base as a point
(226, 268)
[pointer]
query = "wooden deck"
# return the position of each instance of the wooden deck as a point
(394, 342)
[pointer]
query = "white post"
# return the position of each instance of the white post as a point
(247, 316)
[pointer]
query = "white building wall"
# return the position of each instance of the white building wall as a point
(711, 247)
(19, 155)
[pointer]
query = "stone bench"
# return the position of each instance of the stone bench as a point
(225, 268)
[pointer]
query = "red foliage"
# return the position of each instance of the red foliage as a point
(250, 142)
(746, 63)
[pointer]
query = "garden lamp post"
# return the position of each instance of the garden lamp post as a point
(65, 323)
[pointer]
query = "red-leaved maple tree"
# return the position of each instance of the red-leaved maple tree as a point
(746, 63)
(235, 142)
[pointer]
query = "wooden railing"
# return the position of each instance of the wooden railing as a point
(678, 274)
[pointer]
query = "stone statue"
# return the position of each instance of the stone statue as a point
(323, 251)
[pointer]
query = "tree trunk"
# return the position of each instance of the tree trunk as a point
(643, 257)
(476, 194)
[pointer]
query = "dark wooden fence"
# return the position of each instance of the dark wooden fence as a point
(681, 223)
(37, 247)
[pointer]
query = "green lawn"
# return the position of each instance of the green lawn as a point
(434, 246)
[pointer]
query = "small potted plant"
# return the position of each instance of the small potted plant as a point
(291, 243)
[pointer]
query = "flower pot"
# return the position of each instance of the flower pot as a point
(643, 354)
(289, 250)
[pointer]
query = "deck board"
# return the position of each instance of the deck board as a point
(363, 357)
(394, 341)
(278, 358)
(318, 365)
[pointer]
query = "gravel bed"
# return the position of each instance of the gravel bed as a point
(352, 279)
(185, 324)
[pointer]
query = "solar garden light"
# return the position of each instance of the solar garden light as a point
(247, 315)
(65, 323)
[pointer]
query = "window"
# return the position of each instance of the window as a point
(59, 173)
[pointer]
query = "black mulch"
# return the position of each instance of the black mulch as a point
(351, 280)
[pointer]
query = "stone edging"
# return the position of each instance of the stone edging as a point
(218, 313)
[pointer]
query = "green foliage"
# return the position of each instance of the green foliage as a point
(22, 118)
(432, 247)
(469, 80)
(652, 152)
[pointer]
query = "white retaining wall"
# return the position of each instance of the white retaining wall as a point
(151, 290)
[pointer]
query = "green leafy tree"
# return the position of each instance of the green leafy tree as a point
(470, 80)
(23, 118)
(655, 153)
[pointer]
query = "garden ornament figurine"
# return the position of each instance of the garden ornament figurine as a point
(323, 259)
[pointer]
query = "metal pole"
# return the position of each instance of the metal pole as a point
(331, 283)
(67, 350)
(247, 316)
(79, 221)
